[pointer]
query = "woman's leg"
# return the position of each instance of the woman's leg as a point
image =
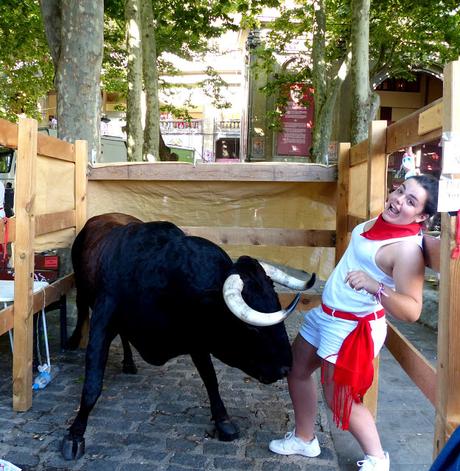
(303, 388)
(362, 424)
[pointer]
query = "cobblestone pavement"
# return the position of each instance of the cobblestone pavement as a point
(156, 420)
(159, 419)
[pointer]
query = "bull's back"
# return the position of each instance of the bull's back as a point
(88, 247)
(156, 263)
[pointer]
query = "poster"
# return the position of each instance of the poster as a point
(297, 123)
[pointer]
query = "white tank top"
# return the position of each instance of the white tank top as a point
(360, 255)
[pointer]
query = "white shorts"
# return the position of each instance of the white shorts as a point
(327, 333)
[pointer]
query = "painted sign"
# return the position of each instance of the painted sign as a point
(297, 123)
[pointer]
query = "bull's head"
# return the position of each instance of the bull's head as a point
(232, 291)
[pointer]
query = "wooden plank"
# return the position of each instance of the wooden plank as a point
(357, 197)
(6, 319)
(448, 399)
(353, 221)
(52, 147)
(404, 132)
(343, 189)
(432, 252)
(377, 169)
(417, 367)
(8, 134)
(264, 171)
(431, 119)
(376, 190)
(41, 299)
(51, 222)
(24, 264)
(81, 181)
(307, 300)
(53, 292)
(359, 153)
(264, 236)
(8, 234)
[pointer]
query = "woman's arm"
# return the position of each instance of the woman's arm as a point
(408, 269)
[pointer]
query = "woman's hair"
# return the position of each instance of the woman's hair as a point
(431, 185)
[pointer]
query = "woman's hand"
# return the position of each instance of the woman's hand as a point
(358, 280)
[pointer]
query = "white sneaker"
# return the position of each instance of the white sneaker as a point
(371, 463)
(292, 445)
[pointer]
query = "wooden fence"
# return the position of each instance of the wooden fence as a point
(367, 162)
(24, 227)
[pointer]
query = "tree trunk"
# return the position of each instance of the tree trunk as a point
(323, 126)
(134, 131)
(75, 34)
(150, 71)
(360, 108)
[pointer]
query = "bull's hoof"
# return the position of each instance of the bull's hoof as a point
(72, 448)
(129, 368)
(227, 431)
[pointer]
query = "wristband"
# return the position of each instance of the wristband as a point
(381, 291)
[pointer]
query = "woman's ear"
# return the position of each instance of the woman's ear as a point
(422, 217)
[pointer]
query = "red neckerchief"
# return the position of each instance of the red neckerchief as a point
(382, 230)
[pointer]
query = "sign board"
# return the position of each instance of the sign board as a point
(297, 123)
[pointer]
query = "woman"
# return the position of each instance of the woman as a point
(381, 271)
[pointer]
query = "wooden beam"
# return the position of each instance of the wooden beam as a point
(46, 223)
(24, 264)
(376, 192)
(432, 252)
(53, 292)
(52, 147)
(264, 236)
(307, 301)
(81, 180)
(6, 319)
(405, 132)
(264, 171)
(343, 190)
(377, 169)
(44, 298)
(431, 119)
(8, 134)
(448, 398)
(417, 367)
(359, 153)
(8, 234)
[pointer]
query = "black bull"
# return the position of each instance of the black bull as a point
(162, 291)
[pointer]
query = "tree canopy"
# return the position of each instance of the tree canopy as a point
(26, 68)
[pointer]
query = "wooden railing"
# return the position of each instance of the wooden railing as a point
(24, 227)
(366, 162)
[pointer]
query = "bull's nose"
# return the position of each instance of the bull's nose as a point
(285, 370)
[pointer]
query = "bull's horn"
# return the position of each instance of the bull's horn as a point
(284, 279)
(232, 289)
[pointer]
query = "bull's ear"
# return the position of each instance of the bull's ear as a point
(281, 277)
(232, 290)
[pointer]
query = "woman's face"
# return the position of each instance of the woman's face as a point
(405, 205)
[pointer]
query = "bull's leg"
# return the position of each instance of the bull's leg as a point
(82, 316)
(226, 429)
(129, 366)
(101, 336)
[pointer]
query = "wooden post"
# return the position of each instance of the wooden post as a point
(376, 194)
(448, 368)
(377, 169)
(81, 162)
(24, 264)
(343, 185)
